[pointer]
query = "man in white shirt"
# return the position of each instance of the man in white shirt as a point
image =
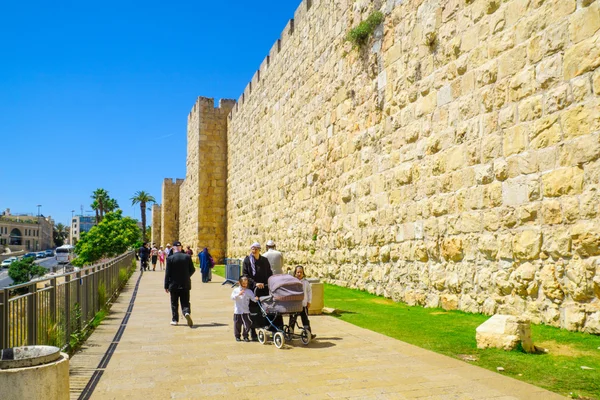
(275, 258)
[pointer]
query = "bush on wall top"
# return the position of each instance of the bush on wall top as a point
(360, 34)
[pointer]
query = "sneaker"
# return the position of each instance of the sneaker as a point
(255, 339)
(188, 318)
(237, 339)
(173, 322)
(246, 339)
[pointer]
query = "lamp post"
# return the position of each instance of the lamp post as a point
(37, 243)
(71, 229)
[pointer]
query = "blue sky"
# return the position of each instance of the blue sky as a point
(96, 95)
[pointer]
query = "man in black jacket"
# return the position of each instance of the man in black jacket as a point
(178, 283)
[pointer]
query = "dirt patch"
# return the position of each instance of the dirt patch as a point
(438, 313)
(386, 302)
(559, 349)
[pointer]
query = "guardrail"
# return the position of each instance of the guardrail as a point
(47, 311)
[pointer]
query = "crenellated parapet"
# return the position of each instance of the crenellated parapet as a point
(203, 194)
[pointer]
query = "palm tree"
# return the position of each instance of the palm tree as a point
(100, 197)
(143, 198)
(111, 205)
(60, 234)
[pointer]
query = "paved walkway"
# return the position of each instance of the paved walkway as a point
(153, 360)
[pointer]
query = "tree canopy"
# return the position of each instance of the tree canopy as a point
(25, 270)
(102, 203)
(111, 237)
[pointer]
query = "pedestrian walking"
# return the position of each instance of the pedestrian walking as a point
(178, 283)
(161, 258)
(144, 253)
(206, 263)
(154, 257)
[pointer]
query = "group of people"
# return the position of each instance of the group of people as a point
(256, 271)
(154, 255)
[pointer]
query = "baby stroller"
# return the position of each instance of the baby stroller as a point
(285, 297)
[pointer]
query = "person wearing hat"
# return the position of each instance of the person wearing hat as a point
(178, 283)
(258, 271)
(275, 258)
(169, 250)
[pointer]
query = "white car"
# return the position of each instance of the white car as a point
(6, 263)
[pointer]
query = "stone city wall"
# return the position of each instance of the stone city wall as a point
(156, 227)
(203, 193)
(169, 213)
(451, 162)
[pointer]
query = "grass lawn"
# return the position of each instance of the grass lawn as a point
(453, 333)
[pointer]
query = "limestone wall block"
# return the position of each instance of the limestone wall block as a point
(572, 317)
(449, 301)
(550, 286)
(578, 280)
(467, 304)
(592, 323)
(582, 57)
(581, 120)
(596, 82)
(585, 237)
(545, 132)
(580, 150)
(526, 244)
(563, 181)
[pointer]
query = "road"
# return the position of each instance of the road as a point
(48, 263)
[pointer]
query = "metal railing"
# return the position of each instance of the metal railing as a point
(47, 311)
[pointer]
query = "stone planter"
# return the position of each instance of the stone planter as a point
(34, 372)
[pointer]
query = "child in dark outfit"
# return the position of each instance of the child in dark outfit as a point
(241, 311)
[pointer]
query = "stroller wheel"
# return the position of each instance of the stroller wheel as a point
(279, 340)
(262, 336)
(287, 333)
(305, 337)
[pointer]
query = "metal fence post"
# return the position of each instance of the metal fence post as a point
(67, 308)
(4, 318)
(53, 296)
(32, 315)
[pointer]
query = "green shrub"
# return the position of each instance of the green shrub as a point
(360, 34)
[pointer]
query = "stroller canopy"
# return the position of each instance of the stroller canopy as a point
(284, 287)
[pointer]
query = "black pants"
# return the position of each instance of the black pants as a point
(179, 296)
(143, 264)
(303, 316)
(257, 319)
(241, 321)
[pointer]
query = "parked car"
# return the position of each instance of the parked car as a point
(6, 263)
(28, 255)
(40, 254)
(49, 253)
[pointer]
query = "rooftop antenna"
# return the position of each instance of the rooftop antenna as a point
(81, 208)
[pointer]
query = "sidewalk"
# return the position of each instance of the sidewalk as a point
(154, 360)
